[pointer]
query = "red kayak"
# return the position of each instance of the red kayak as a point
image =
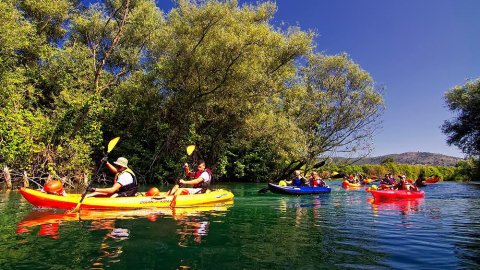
(432, 180)
(385, 195)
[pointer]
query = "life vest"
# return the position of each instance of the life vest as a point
(130, 189)
(203, 184)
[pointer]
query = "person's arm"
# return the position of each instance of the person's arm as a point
(191, 182)
(188, 173)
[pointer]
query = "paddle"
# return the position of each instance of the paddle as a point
(110, 147)
(264, 190)
(190, 150)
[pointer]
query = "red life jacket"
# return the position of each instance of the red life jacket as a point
(203, 184)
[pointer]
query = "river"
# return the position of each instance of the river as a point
(341, 230)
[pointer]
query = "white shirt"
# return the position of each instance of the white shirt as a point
(206, 177)
(124, 179)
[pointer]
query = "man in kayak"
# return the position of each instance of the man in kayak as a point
(200, 182)
(124, 184)
(404, 184)
(298, 181)
(401, 185)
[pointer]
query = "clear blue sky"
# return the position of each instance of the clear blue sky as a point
(416, 49)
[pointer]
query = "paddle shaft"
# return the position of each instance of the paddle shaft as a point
(173, 203)
(86, 190)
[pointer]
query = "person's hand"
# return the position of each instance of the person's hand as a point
(181, 181)
(91, 189)
(185, 166)
(104, 160)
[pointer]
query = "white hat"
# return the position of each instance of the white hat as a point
(121, 161)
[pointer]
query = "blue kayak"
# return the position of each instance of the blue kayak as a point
(294, 190)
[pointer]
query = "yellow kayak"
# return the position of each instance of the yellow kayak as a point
(44, 200)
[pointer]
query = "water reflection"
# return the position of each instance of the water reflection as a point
(193, 226)
(111, 247)
(404, 207)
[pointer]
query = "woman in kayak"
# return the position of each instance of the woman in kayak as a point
(316, 181)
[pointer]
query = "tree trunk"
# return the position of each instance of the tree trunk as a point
(25, 179)
(8, 178)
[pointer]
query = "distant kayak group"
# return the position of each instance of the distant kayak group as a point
(389, 188)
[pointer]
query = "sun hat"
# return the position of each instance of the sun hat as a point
(121, 161)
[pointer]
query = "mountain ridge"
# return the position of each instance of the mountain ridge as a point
(413, 158)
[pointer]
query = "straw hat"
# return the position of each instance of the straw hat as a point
(121, 161)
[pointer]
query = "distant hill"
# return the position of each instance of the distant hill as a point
(423, 158)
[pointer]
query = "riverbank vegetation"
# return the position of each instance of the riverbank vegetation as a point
(256, 99)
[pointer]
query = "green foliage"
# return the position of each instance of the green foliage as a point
(254, 99)
(388, 160)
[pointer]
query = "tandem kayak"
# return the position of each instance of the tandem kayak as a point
(346, 184)
(294, 190)
(383, 195)
(44, 200)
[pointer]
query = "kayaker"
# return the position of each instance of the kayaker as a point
(420, 182)
(299, 180)
(401, 185)
(200, 182)
(124, 184)
(316, 181)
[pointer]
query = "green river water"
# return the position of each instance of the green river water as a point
(341, 230)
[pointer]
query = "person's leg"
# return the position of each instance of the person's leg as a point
(96, 194)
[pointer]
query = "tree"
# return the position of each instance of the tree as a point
(217, 65)
(335, 105)
(464, 130)
(388, 160)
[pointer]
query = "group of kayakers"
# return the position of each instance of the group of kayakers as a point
(299, 180)
(389, 182)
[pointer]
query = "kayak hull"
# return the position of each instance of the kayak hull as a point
(432, 180)
(294, 190)
(44, 200)
(386, 195)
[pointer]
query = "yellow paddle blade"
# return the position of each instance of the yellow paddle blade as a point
(190, 149)
(112, 144)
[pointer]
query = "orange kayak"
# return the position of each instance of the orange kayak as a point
(346, 184)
